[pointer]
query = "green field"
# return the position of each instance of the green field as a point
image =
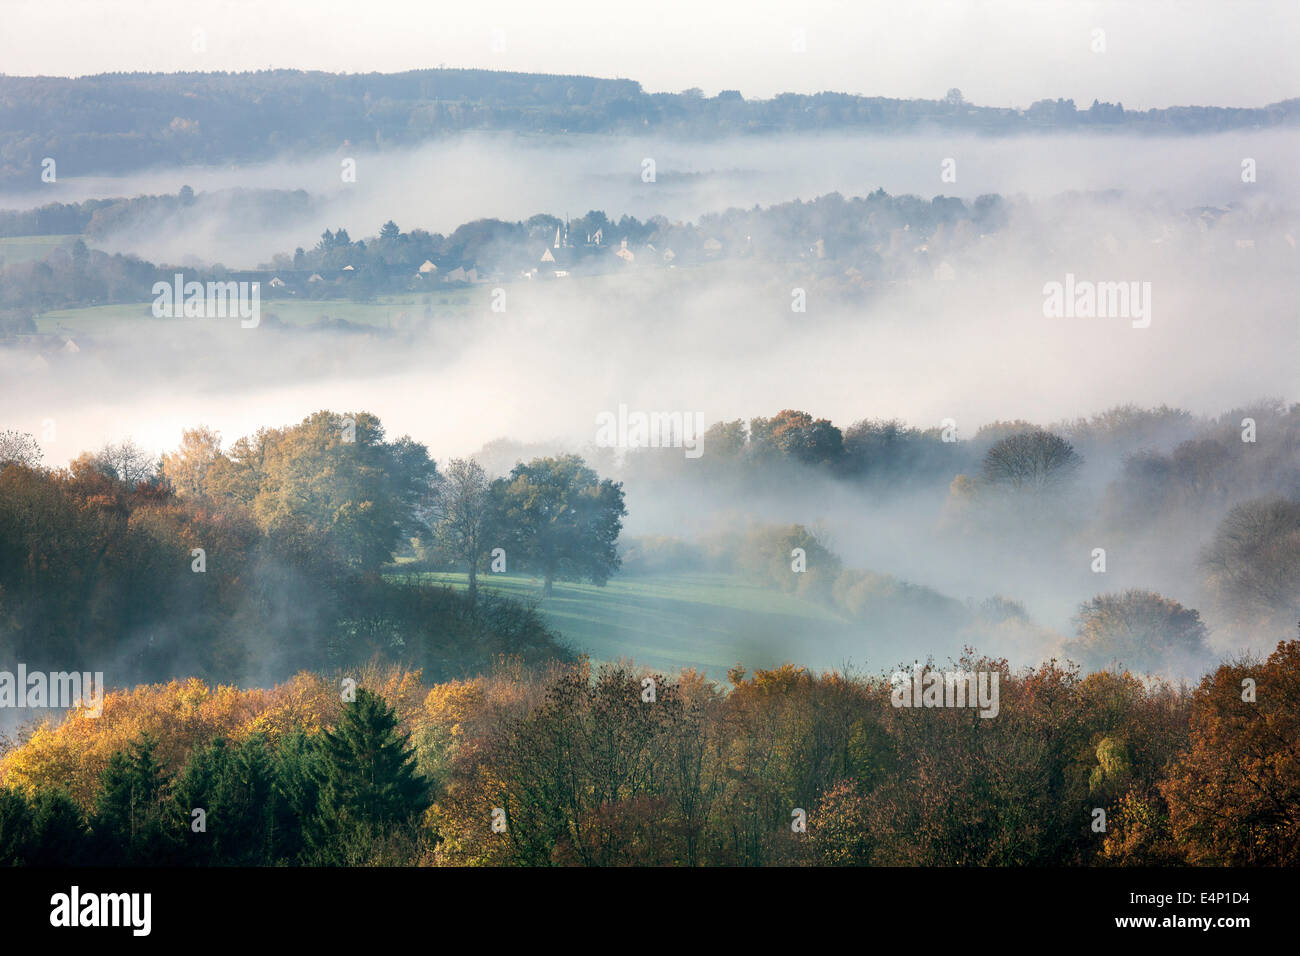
(95, 319)
(384, 312)
(15, 249)
(709, 621)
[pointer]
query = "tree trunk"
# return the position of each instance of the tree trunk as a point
(546, 584)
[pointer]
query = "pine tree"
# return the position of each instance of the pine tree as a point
(297, 795)
(15, 828)
(369, 788)
(58, 830)
(234, 785)
(132, 822)
(46, 830)
(250, 790)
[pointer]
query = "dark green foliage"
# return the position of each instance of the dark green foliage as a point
(15, 826)
(47, 829)
(59, 836)
(133, 821)
(346, 796)
(297, 793)
(368, 785)
(235, 787)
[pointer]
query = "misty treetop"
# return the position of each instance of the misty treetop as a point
(100, 218)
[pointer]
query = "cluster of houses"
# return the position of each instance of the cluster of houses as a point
(563, 257)
(559, 260)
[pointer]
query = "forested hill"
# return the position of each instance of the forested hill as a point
(115, 123)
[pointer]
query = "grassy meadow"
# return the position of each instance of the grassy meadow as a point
(385, 312)
(706, 621)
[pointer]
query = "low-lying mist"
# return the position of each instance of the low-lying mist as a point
(723, 340)
(445, 183)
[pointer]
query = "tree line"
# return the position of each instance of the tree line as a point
(849, 229)
(267, 557)
(1226, 488)
(568, 765)
(118, 122)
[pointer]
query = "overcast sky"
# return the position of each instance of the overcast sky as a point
(1157, 52)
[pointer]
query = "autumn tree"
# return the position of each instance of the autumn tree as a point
(798, 436)
(186, 469)
(726, 439)
(1014, 787)
(840, 829)
(786, 737)
(1234, 799)
(768, 554)
(578, 777)
(333, 475)
(1138, 628)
